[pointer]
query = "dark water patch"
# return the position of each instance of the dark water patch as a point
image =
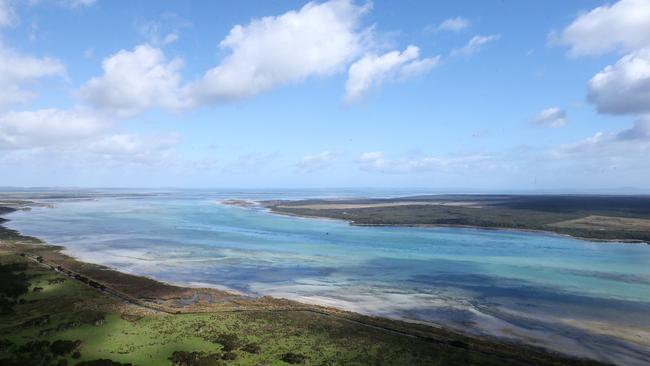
(619, 277)
(526, 298)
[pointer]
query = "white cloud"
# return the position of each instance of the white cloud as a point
(624, 26)
(550, 117)
(615, 156)
(134, 81)
(170, 38)
(376, 161)
(47, 127)
(319, 39)
(49, 138)
(372, 160)
(135, 148)
(164, 30)
(623, 88)
(632, 144)
(153, 32)
(453, 24)
(17, 71)
(372, 70)
(318, 161)
(77, 3)
(8, 16)
(475, 44)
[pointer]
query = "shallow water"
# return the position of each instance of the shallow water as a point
(541, 289)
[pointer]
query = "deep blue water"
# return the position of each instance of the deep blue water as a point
(547, 290)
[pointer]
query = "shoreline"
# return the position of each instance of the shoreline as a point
(271, 209)
(547, 232)
(177, 298)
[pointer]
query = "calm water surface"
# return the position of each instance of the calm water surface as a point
(585, 298)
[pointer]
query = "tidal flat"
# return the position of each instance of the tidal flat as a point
(504, 288)
(52, 315)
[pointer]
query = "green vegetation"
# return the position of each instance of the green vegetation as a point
(594, 217)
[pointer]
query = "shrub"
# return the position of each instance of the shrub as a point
(5, 344)
(14, 281)
(102, 362)
(229, 356)
(36, 322)
(6, 306)
(182, 358)
(40, 347)
(252, 348)
(209, 360)
(229, 342)
(293, 358)
(62, 347)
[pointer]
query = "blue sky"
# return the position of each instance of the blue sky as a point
(497, 95)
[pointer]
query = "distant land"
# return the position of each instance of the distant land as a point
(595, 217)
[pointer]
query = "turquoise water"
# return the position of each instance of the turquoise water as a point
(542, 289)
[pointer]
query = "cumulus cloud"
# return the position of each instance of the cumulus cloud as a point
(624, 26)
(376, 161)
(550, 117)
(319, 39)
(452, 24)
(18, 71)
(623, 88)
(372, 70)
(7, 14)
(318, 161)
(475, 44)
(46, 127)
(134, 81)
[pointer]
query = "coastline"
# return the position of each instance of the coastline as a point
(547, 232)
(171, 298)
(168, 298)
(271, 209)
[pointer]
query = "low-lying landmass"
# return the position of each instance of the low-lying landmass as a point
(239, 203)
(595, 217)
(55, 310)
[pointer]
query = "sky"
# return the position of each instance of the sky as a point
(485, 95)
